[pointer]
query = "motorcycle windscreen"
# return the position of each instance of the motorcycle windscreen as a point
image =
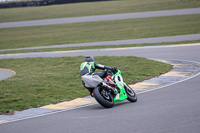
(91, 81)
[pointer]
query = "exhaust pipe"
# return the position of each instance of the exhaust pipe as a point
(114, 90)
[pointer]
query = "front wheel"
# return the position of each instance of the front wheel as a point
(103, 97)
(132, 97)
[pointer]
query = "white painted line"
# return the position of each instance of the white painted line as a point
(174, 82)
(171, 84)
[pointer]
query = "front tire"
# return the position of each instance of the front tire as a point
(132, 97)
(103, 98)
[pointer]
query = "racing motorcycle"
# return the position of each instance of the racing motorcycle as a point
(108, 91)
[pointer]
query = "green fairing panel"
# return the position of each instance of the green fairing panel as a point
(118, 72)
(122, 95)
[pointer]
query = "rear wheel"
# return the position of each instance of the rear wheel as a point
(130, 93)
(103, 97)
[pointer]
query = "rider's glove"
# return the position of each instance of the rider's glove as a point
(114, 69)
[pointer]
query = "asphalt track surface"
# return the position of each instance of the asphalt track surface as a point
(102, 18)
(171, 109)
(121, 42)
(6, 73)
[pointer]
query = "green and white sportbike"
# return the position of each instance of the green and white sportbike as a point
(109, 90)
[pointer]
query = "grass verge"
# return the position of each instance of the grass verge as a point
(41, 81)
(98, 31)
(92, 8)
(97, 47)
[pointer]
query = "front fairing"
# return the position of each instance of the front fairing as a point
(120, 84)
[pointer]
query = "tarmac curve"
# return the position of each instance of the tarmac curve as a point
(173, 109)
(102, 17)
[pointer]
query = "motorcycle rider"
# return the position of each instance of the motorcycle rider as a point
(89, 66)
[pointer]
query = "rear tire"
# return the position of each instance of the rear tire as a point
(132, 97)
(106, 101)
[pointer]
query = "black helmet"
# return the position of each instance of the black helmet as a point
(89, 59)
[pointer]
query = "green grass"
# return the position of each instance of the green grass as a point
(97, 47)
(98, 31)
(93, 8)
(41, 81)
